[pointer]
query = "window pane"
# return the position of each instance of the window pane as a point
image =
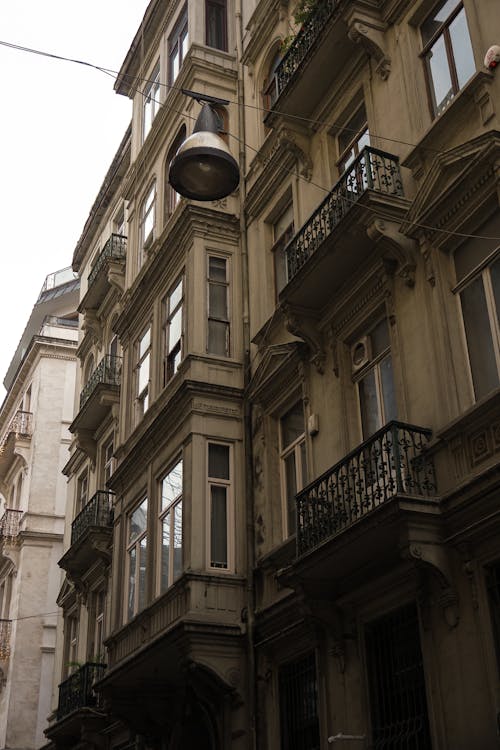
(292, 424)
(462, 48)
(143, 375)
(138, 521)
(440, 75)
(171, 487)
(379, 337)
(291, 490)
(434, 23)
(165, 552)
(218, 528)
(369, 404)
(185, 43)
(479, 340)
(216, 25)
(388, 392)
(144, 343)
(142, 573)
(218, 461)
(176, 296)
(217, 337)
(175, 329)
(217, 269)
(217, 300)
(131, 582)
(177, 540)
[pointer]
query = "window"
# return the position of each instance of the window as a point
(82, 491)
(219, 486)
(171, 196)
(119, 225)
(283, 229)
(372, 367)
(136, 559)
(96, 630)
(216, 24)
(293, 462)
(151, 103)
(270, 89)
(71, 645)
(298, 696)
(178, 45)
(147, 222)
(352, 139)
(172, 331)
(493, 588)
(479, 292)
(171, 527)
(108, 461)
(218, 306)
(142, 371)
(447, 53)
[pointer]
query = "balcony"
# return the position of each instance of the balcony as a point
(9, 524)
(16, 437)
(110, 264)
(333, 242)
(101, 391)
(91, 533)
(5, 631)
(77, 692)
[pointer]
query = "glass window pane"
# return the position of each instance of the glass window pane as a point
(218, 528)
(434, 23)
(440, 75)
(218, 301)
(462, 48)
(165, 553)
(479, 339)
(218, 337)
(171, 486)
(291, 490)
(138, 521)
(175, 330)
(216, 25)
(177, 540)
(131, 582)
(368, 402)
(379, 337)
(292, 424)
(144, 343)
(185, 43)
(143, 375)
(218, 461)
(142, 573)
(217, 269)
(388, 392)
(176, 296)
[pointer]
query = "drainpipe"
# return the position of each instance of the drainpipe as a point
(250, 529)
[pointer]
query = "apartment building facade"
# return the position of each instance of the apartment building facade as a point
(285, 455)
(34, 419)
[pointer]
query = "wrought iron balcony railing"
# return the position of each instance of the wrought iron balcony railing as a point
(97, 512)
(115, 247)
(78, 690)
(371, 170)
(20, 425)
(392, 462)
(108, 372)
(9, 523)
(5, 631)
(305, 40)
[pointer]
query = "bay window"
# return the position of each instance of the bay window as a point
(170, 558)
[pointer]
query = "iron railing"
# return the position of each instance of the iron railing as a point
(108, 372)
(97, 512)
(9, 523)
(306, 38)
(20, 425)
(371, 170)
(392, 462)
(115, 247)
(5, 631)
(78, 690)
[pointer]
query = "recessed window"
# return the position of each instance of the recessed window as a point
(82, 491)
(270, 88)
(96, 630)
(447, 53)
(151, 103)
(219, 493)
(352, 139)
(171, 527)
(293, 462)
(216, 24)
(142, 372)
(218, 306)
(173, 305)
(147, 222)
(178, 45)
(108, 461)
(137, 546)
(283, 230)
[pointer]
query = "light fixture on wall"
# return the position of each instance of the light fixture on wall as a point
(203, 168)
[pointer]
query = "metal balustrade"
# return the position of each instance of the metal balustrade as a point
(371, 170)
(5, 631)
(97, 512)
(9, 523)
(21, 424)
(115, 248)
(108, 372)
(78, 690)
(392, 462)
(306, 38)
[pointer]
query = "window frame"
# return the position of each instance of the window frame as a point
(280, 242)
(146, 212)
(143, 397)
(224, 30)
(131, 609)
(178, 40)
(294, 448)
(228, 485)
(170, 509)
(108, 461)
(167, 316)
(212, 318)
(151, 100)
(354, 145)
(82, 491)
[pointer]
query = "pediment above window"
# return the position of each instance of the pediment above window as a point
(458, 193)
(277, 371)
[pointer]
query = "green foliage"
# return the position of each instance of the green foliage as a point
(301, 14)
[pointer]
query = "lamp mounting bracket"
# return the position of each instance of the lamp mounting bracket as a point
(205, 98)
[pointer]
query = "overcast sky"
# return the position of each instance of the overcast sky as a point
(60, 127)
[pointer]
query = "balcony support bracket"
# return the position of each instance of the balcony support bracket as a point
(370, 36)
(93, 326)
(116, 275)
(306, 328)
(86, 443)
(396, 246)
(432, 558)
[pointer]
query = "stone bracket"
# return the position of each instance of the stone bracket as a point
(93, 326)
(396, 246)
(433, 559)
(305, 327)
(370, 35)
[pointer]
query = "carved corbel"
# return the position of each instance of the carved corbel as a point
(116, 275)
(307, 330)
(372, 39)
(86, 443)
(92, 325)
(298, 145)
(396, 247)
(434, 560)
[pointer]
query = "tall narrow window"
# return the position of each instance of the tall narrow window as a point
(352, 139)
(142, 371)
(137, 547)
(171, 196)
(216, 24)
(147, 222)
(219, 485)
(151, 103)
(270, 89)
(96, 630)
(218, 306)
(283, 229)
(447, 53)
(71, 644)
(293, 462)
(173, 305)
(82, 491)
(479, 293)
(108, 461)
(171, 527)
(178, 45)
(372, 370)
(298, 695)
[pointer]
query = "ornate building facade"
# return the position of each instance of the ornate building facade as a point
(285, 454)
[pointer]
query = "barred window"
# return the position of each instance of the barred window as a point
(298, 696)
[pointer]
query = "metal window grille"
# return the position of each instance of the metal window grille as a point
(299, 704)
(396, 682)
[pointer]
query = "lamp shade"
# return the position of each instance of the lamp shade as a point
(203, 168)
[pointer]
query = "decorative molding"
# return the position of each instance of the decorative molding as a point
(371, 37)
(432, 557)
(306, 328)
(116, 274)
(92, 325)
(397, 246)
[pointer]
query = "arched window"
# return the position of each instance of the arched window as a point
(171, 197)
(270, 87)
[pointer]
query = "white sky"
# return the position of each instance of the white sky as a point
(60, 127)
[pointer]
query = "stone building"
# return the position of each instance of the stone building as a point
(285, 530)
(34, 441)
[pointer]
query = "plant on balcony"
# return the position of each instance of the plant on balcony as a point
(301, 14)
